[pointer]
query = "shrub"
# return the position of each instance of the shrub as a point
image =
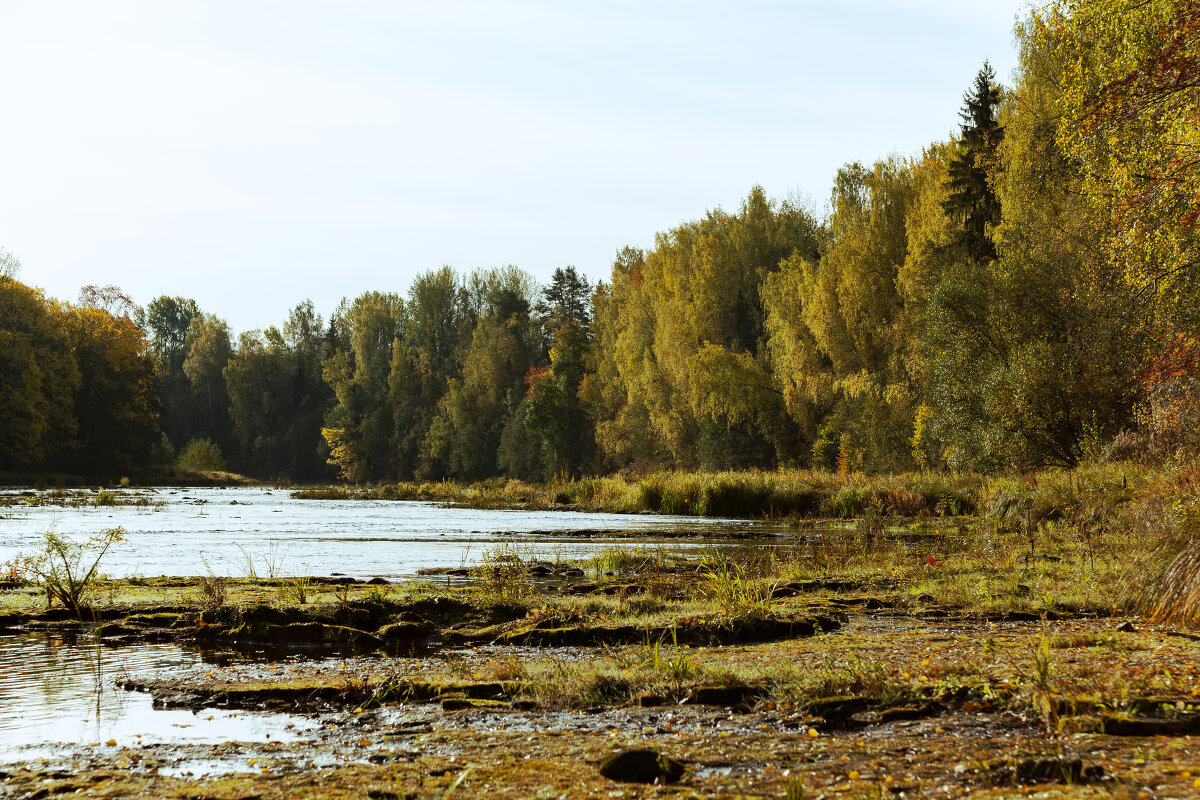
(66, 570)
(1174, 595)
(201, 454)
(503, 575)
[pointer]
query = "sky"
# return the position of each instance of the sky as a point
(250, 155)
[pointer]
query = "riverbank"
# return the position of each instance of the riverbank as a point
(175, 477)
(862, 663)
(802, 494)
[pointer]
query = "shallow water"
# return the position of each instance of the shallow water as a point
(61, 689)
(237, 531)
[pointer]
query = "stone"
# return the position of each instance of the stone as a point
(641, 766)
(1035, 771)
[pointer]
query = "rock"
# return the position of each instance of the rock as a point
(379, 582)
(1034, 771)
(641, 766)
(838, 708)
(731, 695)
(308, 634)
(473, 691)
(620, 588)
(906, 713)
(1127, 627)
(466, 703)
(269, 615)
(1121, 725)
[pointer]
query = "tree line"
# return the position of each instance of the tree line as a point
(1021, 295)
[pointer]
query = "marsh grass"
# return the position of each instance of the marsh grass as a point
(734, 592)
(675, 666)
(503, 574)
(296, 589)
(272, 562)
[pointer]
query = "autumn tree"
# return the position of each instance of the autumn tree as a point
(1130, 100)
(116, 401)
(38, 379)
(836, 326)
(698, 289)
(359, 427)
(1033, 355)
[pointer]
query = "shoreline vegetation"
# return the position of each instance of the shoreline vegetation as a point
(779, 667)
(783, 495)
(163, 477)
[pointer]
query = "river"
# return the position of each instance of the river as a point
(236, 532)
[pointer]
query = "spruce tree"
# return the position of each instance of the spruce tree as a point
(971, 198)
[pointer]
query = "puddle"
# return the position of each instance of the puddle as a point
(61, 689)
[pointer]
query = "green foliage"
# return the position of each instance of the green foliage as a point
(996, 303)
(847, 502)
(676, 665)
(360, 425)
(1026, 354)
(1127, 120)
(40, 379)
(970, 197)
(734, 592)
(201, 454)
(67, 570)
(691, 304)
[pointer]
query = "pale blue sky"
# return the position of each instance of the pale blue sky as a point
(252, 154)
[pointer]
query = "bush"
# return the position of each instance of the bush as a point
(201, 454)
(66, 570)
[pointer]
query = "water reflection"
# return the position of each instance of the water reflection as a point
(62, 688)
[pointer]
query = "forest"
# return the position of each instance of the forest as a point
(1019, 296)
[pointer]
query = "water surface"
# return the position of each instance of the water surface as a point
(236, 531)
(61, 689)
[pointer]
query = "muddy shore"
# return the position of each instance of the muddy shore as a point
(847, 687)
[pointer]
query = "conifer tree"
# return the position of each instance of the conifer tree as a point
(971, 198)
